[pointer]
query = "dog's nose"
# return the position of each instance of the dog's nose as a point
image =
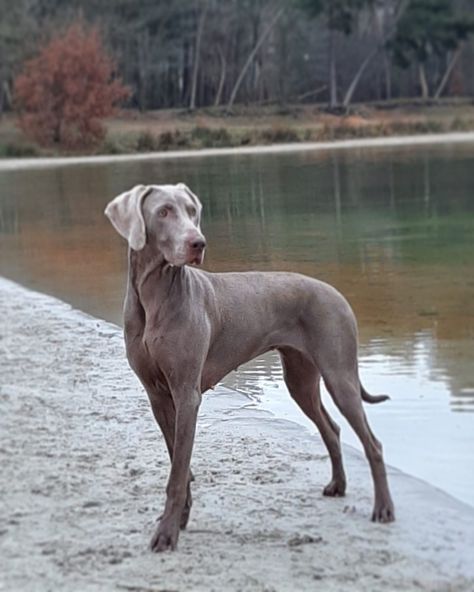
(198, 245)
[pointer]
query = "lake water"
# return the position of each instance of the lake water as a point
(391, 228)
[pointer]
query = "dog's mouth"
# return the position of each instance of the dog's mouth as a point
(189, 256)
(196, 258)
(192, 259)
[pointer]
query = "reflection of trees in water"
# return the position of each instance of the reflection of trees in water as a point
(8, 216)
(60, 240)
(53, 198)
(431, 360)
(385, 227)
(308, 200)
(453, 359)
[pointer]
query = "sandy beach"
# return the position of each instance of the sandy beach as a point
(84, 470)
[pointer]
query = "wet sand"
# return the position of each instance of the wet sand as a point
(418, 140)
(84, 471)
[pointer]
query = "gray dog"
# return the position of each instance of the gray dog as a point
(185, 329)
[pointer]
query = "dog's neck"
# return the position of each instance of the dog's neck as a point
(151, 277)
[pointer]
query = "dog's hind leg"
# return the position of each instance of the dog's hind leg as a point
(302, 379)
(345, 389)
(332, 347)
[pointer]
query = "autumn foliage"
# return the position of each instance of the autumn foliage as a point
(63, 94)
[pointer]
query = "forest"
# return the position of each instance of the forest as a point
(204, 53)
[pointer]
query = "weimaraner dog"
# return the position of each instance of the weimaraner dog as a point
(185, 329)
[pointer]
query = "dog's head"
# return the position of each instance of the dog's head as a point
(163, 217)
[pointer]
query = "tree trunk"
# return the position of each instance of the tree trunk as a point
(388, 76)
(252, 55)
(255, 70)
(197, 56)
(2, 97)
(57, 133)
(142, 71)
(220, 88)
(447, 73)
(312, 93)
(384, 38)
(425, 91)
(358, 75)
(332, 71)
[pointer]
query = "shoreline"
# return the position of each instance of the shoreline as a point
(7, 164)
(84, 471)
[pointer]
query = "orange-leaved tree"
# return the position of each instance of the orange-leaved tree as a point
(65, 91)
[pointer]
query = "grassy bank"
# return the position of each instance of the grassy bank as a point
(135, 132)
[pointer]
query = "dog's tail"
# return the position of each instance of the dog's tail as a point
(372, 398)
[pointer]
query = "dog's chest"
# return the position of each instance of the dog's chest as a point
(144, 357)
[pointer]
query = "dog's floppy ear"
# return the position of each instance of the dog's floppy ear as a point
(193, 196)
(125, 213)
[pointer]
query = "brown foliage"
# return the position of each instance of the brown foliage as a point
(63, 93)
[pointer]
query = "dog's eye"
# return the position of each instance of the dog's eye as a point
(192, 211)
(163, 212)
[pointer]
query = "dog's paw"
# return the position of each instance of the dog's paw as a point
(383, 512)
(164, 539)
(335, 489)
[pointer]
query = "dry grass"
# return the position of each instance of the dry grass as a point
(179, 129)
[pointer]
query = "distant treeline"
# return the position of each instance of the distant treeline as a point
(200, 53)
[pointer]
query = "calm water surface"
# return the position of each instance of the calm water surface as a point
(393, 229)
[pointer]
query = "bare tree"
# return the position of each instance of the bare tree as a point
(385, 37)
(197, 51)
(223, 72)
(253, 53)
(447, 73)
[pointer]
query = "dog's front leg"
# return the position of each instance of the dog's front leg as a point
(163, 409)
(187, 398)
